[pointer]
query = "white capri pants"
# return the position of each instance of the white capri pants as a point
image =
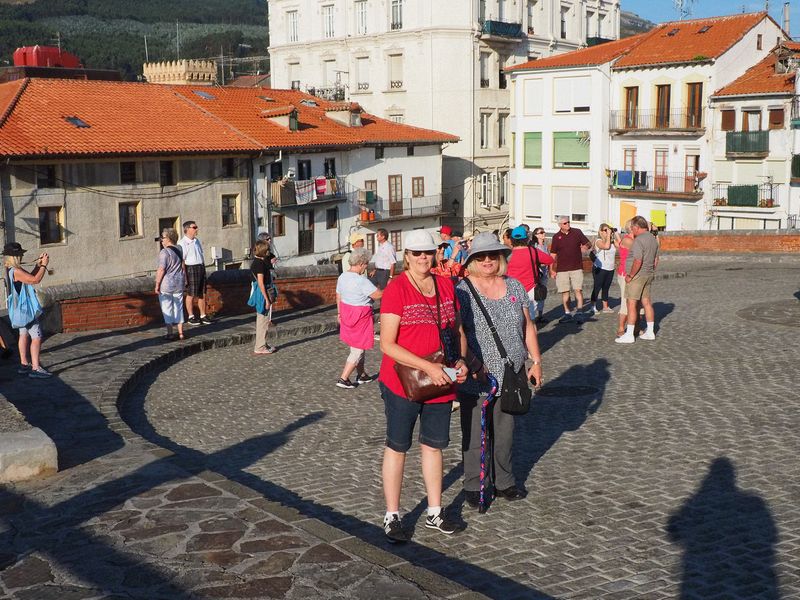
(171, 307)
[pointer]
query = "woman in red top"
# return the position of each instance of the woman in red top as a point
(419, 316)
(624, 247)
(522, 264)
(447, 267)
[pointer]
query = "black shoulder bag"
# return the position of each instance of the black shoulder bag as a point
(515, 395)
(539, 289)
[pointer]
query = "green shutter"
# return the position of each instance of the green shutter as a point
(569, 151)
(533, 150)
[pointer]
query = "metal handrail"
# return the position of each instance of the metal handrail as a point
(681, 118)
(761, 195)
(655, 182)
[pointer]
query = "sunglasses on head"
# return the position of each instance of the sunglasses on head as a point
(487, 256)
(421, 252)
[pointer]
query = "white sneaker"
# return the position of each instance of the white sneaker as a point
(625, 339)
(647, 335)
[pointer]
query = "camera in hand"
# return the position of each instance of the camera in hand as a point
(614, 230)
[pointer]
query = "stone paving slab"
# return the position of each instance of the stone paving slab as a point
(126, 518)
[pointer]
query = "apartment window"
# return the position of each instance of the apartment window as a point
(395, 195)
(531, 16)
(694, 110)
(417, 187)
(278, 226)
(663, 99)
(564, 12)
(291, 26)
(327, 21)
(361, 17)
(502, 82)
(570, 150)
(502, 121)
(484, 68)
(303, 170)
(533, 91)
(370, 245)
(631, 107)
(329, 165)
(776, 118)
(751, 120)
(332, 218)
(129, 219)
(482, 10)
(590, 21)
(629, 159)
(728, 119)
(293, 69)
(127, 173)
(572, 94)
(51, 224)
(228, 168)
(395, 71)
(371, 185)
(502, 185)
(533, 150)
(572, 202)
(329, 72)
(46, 176)
(484, 130)
(166, 173)
(362, 73)
(396, 238)
(532, 201)
(305, 231)
(378, 152)
(660, 175)
(396, 117)
(230, 210)
(397, 15)
(759, 42)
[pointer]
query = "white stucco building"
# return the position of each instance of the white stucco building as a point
(436, 65)
(646, 143)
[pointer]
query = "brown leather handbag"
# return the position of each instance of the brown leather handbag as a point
(416, 383)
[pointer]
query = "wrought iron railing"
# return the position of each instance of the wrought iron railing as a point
(795, 111)
(630, 120)
(658, 183)
(747, 142)
(363, 86)
(763, 195)
(484, 83)
(396, 25)
(501, 28)
(296, 192)
(396, 84)
(385, 209)
(336, 93)
(796, 165)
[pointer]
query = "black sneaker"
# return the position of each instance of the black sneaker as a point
(193, 320)
(204, 320)
(394, 530)
(440, 523)
(473, 499)
(366, 378)
(346, 384)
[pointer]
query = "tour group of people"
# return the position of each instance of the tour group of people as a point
(446, 302)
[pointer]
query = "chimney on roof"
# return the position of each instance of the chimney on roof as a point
(786, 18)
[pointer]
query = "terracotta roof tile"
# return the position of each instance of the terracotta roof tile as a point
(147, 119)
(682, 42)
(762, 78)
(593, 55)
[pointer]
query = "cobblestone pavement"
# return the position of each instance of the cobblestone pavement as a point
(677, 476)
(657, 470)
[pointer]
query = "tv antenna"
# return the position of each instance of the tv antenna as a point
(684, 8)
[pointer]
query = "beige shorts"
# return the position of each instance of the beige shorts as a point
(566, 280)
(638, 288)
(623, 306)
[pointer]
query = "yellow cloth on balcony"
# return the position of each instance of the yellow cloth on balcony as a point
(659, 218)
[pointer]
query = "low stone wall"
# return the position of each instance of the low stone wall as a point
(733, 242)
(124, 303)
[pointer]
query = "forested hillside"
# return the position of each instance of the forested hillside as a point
(110, 34)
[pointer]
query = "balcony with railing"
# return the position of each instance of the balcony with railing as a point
(795, 168)
(385, 209)
(795, 112)
(747, 144)
(500, 30)
(655, 122)
(292, 193)
(753, 196)
(648, 184)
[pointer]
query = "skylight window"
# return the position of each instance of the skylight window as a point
(78, 122)
(309, 102)
(704, 28)
(204, 95)
(673, 32)
(267, 99)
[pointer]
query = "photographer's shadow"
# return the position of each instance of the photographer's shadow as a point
(552, 414)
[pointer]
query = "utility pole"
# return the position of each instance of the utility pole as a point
(146, 53)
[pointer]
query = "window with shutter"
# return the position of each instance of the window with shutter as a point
(570, 150)
(532, 90)
(533, 150)
(776, 118)
(532, 201)
(728, 120)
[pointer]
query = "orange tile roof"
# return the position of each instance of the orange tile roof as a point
(762, 78)
(682, 42)
(593, 55)
(242, 108)
(150, 119)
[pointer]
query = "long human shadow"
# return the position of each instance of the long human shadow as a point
(728, 536)
(471, 576)
(551, 416)
(87, 555)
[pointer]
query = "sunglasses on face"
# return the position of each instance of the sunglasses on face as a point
(192, 226)
(539, 233)
(417, 253)
(487, 256)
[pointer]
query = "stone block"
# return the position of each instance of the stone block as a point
(26, 454)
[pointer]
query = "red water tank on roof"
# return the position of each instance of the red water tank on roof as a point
(45, 56)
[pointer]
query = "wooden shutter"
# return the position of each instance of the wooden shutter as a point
(728, 120)
(776, 118)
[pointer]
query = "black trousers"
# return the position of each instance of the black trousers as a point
(602, 283)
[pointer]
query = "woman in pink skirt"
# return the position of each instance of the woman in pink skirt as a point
(354, 296)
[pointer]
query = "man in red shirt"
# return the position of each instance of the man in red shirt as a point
(567, 251)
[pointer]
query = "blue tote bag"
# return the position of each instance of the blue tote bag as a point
(23, 307)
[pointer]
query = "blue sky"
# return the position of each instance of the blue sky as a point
(659, 11)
